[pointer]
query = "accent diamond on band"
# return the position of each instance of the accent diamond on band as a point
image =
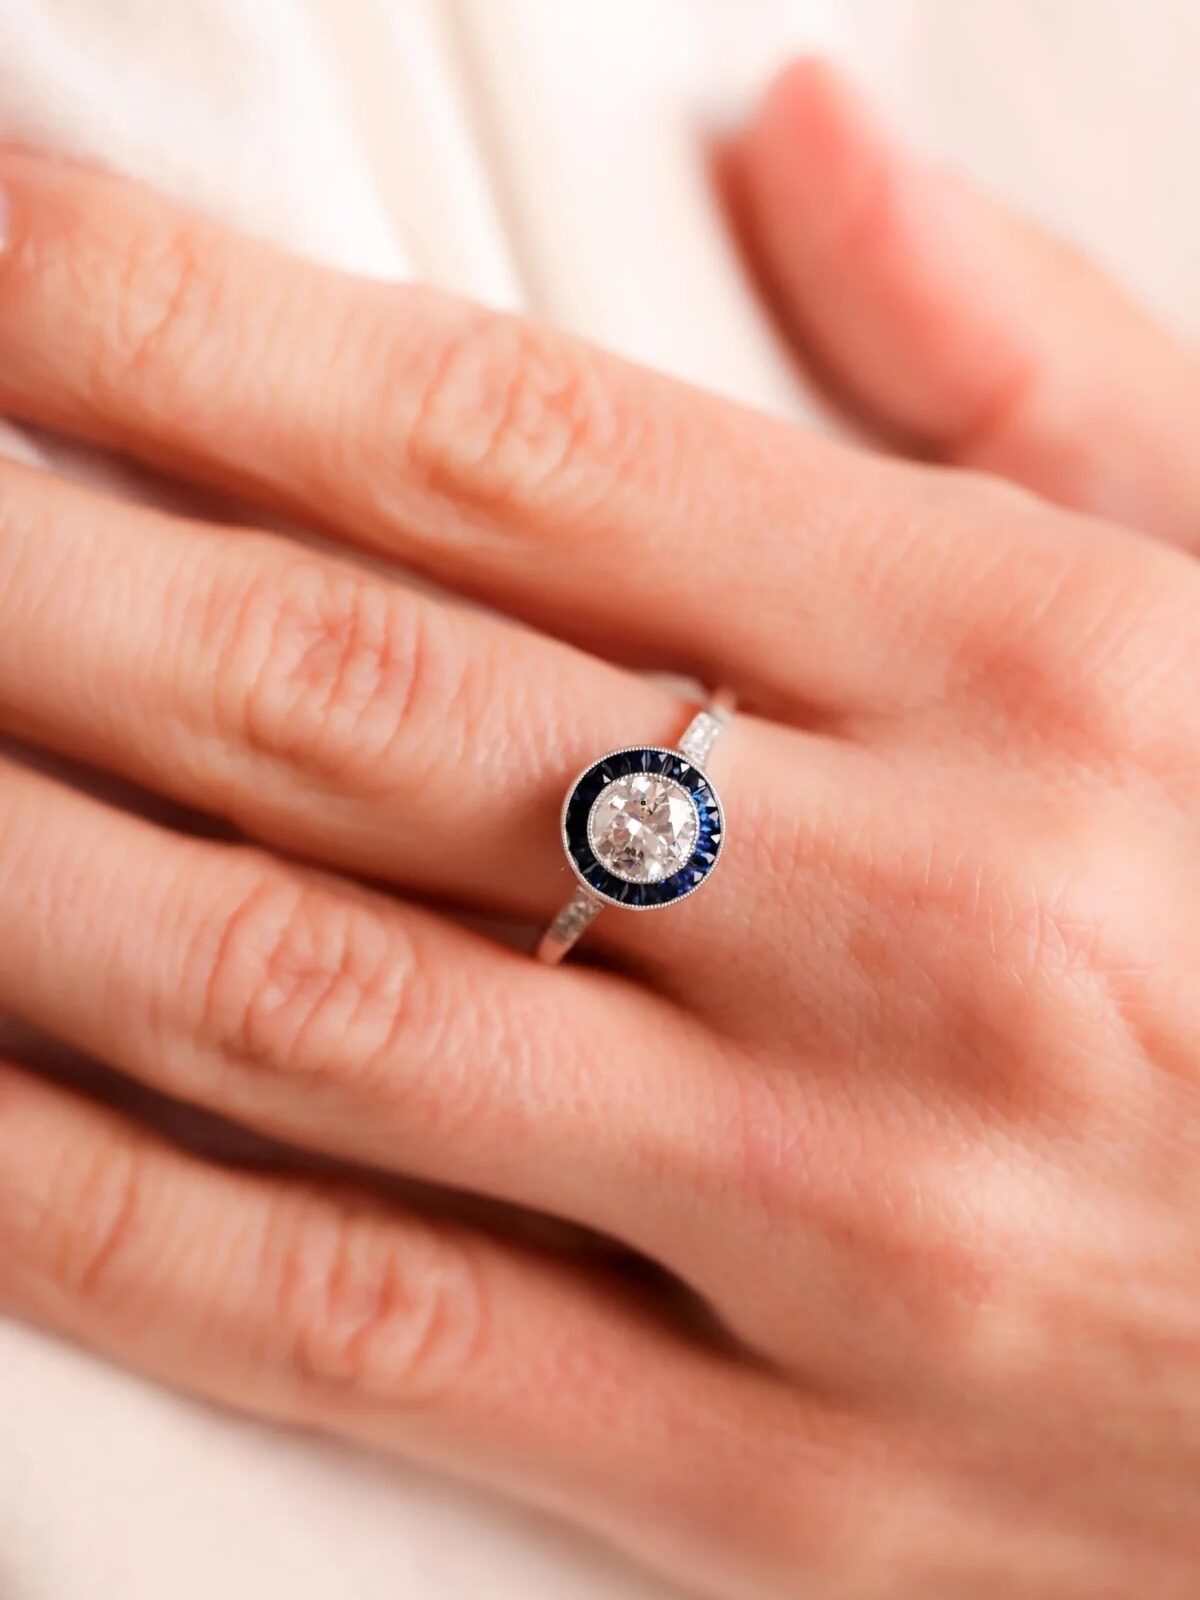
(642, 828)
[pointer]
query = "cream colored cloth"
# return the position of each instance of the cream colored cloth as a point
(542, 153)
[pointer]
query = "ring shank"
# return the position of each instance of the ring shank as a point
(569, 926)
(582, 909)
(705, 728)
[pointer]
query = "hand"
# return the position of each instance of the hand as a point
(908, 1096)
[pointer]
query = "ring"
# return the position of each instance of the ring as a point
(642, 828)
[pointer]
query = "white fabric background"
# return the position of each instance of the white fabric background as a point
(528, 152)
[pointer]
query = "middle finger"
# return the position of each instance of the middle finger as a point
(320, 707)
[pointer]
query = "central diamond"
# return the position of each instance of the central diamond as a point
(643, 827)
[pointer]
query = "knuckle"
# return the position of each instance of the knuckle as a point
(161, 307)
(508, 414)
(1014, 648)
(1090, 654)
(377, 1311)
(99, 1223)
(762, 1153)
(323, 669)
(296, 980)
(33, 510)
(1032, 950)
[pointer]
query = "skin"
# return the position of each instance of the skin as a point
(906, 1099)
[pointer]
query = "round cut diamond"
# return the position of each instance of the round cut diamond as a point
(643, 827)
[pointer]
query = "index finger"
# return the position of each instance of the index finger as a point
(601, 501)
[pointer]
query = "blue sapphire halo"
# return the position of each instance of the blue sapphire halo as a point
(642, 827)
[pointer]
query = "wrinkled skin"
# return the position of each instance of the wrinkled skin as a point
(907, 1098)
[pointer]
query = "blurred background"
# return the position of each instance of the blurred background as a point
(551, 155)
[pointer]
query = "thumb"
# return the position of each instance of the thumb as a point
(943, 319)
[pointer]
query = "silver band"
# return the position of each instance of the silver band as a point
(582, 909)
(569, 926)
(705, 728)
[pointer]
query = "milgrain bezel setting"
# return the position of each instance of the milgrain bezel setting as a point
(576, 816)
